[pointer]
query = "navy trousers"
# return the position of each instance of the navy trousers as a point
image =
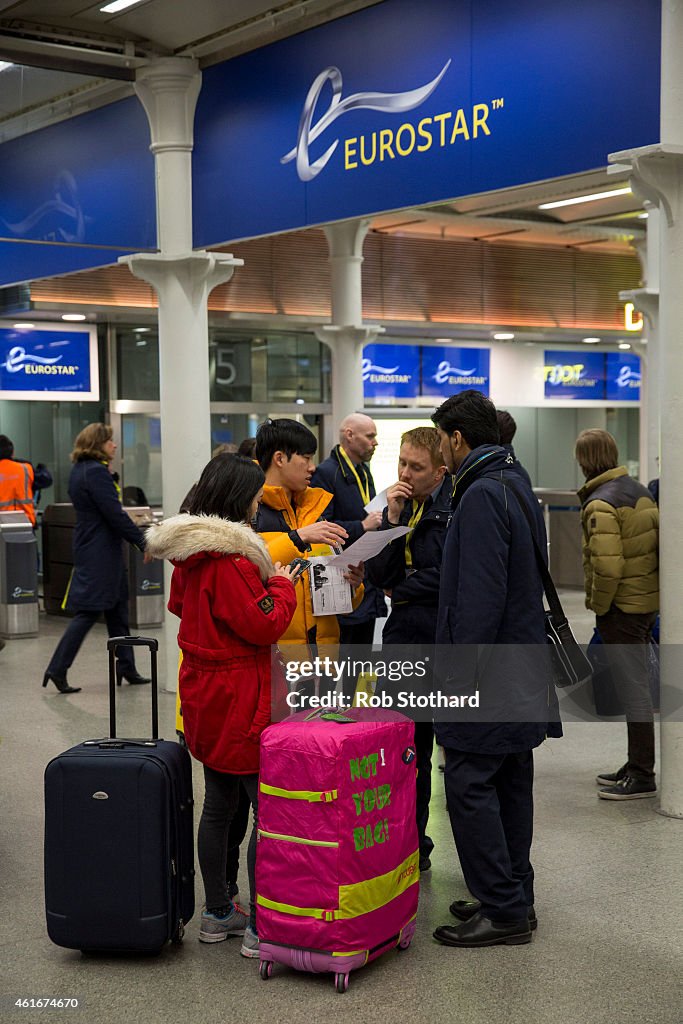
(68, 647)
(490, 804)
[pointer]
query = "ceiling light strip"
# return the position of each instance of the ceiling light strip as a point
(586, 199)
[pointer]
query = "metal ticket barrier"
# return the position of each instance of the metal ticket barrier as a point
(18, 576)
(145, 581)
(57, 530)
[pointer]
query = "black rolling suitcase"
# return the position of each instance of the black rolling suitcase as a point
(119, 837)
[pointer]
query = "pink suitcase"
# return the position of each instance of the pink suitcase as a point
(337, 864)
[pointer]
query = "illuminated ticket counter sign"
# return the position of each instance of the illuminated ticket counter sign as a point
(623, 377)
(447, 371)
(391, 371)
(574, 375)
(49, 364)
(610, 376)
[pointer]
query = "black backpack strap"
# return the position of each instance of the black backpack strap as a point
(554, 603)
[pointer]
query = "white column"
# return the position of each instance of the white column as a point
(168, 89)
(346, 334)
(646, 301)
(658, 172)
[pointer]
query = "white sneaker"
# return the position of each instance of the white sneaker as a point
(250, 943)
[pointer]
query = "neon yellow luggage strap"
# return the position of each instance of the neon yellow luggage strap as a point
(296, 839)
(364, 897)
(313, 797)
(287, 908)
(359, 898)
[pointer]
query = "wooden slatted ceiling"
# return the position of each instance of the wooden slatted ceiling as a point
(404, 279)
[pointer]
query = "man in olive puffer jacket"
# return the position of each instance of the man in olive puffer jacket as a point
(621, 567)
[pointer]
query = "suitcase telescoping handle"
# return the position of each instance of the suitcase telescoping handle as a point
(132, 641)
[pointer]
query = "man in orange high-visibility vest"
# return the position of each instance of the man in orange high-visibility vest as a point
(16, 482)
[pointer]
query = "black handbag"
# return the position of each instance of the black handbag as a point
(570, 664)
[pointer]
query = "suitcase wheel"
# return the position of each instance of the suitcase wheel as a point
(265, 969)
(341, 982)
(179, 933)
(404, 943)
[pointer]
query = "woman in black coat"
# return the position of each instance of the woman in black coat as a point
(98, 583)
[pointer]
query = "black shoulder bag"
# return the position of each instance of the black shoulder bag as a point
(570, 664)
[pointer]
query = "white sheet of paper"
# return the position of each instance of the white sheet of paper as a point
(367, 546)
(378, 503)
(330, 592)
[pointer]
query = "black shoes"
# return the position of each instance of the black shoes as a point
(609, 778)
(134, 678)
(465, 910)
(480, 931)
(629, 788)
(425, 864)
(61, 684)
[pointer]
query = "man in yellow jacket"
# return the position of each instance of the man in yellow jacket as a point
(620, 524)
(295, 521)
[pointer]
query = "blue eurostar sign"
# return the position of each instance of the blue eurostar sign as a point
(49, 364)
(448, 371)
(623, 377)
(391, 371)
(406, 103)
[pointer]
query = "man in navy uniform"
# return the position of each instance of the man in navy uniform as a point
(346, 474)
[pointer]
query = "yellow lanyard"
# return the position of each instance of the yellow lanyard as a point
(117, 486)
(412, 523)
(363, 488)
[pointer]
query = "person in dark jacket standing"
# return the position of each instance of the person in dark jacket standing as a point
(491, 598)
(620, 521)
(507, 428)
(346, 475)
(98, 582)
(410, 569)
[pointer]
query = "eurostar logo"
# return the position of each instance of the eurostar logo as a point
(628, 378)
(388, 102)
(445, 370)
(369, 367)
(17, 358)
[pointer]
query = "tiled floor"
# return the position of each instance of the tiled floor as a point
(609, 895)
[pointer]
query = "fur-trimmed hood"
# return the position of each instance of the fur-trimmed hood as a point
(185, 536)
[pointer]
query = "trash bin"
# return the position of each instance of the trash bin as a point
(18, 576)
(145, 581)
(57, 530)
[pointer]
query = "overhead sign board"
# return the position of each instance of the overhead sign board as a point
(574, 375)
(77, 194)
(606, 376)
(623, 377)
(49, 364)
(447, 371)
(402, 104)
(391, 371)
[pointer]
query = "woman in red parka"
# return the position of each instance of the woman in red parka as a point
(233, 604)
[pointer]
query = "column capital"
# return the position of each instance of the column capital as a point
(656, 174)
(202, 270)
(345, 239)
(168, 89)
(645, 300)
(364, 334)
